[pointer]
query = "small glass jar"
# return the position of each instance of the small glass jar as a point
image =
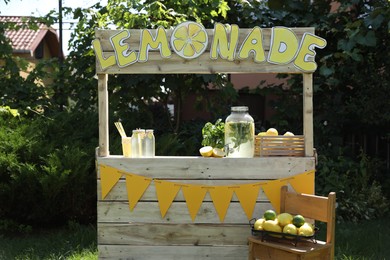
(136, 143)
(239, 133)
(148, 148)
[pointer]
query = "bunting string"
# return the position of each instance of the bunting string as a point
(194, 194)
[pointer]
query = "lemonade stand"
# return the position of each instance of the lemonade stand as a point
(195, 207)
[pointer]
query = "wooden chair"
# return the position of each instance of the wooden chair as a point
(311, 207)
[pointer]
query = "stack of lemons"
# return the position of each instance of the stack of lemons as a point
(284, 223)
(273, 132)
(208, 151)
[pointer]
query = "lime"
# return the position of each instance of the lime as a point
(298, 220)
(284, 219)
(269, 215)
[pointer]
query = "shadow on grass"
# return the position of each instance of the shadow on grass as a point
(72, 242)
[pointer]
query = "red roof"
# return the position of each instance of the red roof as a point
(26, 40)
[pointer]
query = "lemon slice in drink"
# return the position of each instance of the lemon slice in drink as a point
(189, 40)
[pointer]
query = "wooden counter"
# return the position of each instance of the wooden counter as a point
(144, 234)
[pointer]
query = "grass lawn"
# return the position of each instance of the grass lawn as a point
(363, 241)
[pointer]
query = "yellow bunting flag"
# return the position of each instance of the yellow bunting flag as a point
(272, 190)
(109, 176)
(221, 196)
(247, 195)
(194, 195)
(136, 186)
(166, 192)
(304, 182)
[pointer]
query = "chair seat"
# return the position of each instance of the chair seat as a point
(266, 249)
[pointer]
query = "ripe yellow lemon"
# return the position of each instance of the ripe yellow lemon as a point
(206, 151)
(306, 230)
(272, 225)
(288, 134)
(269, 215)
(219, 153)
(284, 219)
(189, 40)
(262, 134)
(290, 229)
(259, 224)
(272, 131)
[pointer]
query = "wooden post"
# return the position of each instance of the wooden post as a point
(103, 115)
(308, 113)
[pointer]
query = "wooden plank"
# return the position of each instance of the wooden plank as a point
(199, 168)
(103, 115)
(172, 234)
(200, 65)
(308, 114)
(119, 191)
(173, 252)
(149, 212)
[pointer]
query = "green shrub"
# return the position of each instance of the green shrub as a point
(359, 194)
(47, 169)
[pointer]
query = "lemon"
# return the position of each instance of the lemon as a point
(306, 230)
(298, 220)
(206, 151)
(269, 215)
(284, 219)
(189, 40)
(272, 131)
(272, 225)
(259, 224)
(217, 152)
(290, 229)
(288, 134)
(262, 134)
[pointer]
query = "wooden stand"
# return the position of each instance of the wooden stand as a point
(143, 233)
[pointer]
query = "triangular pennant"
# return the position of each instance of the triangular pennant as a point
(109, 176)
(247, 195)
(166, 193)
(304, 182)
(221, 196)
(194, 195)
(272, 190)
(136, 186)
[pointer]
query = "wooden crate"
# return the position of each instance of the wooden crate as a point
(279, 146)
(144, 234)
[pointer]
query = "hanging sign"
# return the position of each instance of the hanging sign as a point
(190, 40)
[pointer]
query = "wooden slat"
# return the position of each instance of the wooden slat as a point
(308, 114)
(199, 168)
(103, 115)
(310, 206)
(173, 252)
(172, 234)
(149, 212)
(201, 65)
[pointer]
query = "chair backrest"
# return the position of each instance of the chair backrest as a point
(313, 207)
